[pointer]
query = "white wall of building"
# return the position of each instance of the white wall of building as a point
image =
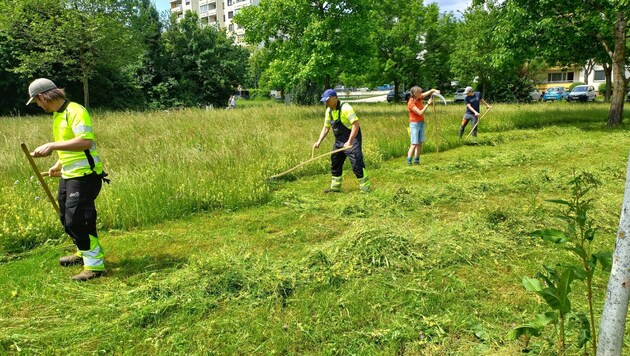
(219, 13)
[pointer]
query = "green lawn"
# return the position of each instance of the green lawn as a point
(430, 262)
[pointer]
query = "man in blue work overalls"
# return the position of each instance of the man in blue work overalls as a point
(345, 125)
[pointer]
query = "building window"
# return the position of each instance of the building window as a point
(203, 8)
(599, 75)
(187, 2)
(230, 14)
(229, 2)
(560, 77)
(231, 27)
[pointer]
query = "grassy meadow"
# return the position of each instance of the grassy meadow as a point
(206, 255)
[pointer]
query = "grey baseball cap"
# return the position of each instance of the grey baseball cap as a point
(38, 86)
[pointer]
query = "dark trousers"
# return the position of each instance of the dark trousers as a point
(355, 154)
(77, 211)
(465, 121)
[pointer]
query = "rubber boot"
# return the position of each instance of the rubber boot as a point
(335, 185)
(364, 183)
(87, 275)
(71, 260)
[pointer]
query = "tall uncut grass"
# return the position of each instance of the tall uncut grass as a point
(165, 165)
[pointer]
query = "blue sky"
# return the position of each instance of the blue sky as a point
(444, 5)
(162, 5)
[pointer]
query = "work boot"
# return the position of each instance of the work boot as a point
(87, 275)
(71, 260)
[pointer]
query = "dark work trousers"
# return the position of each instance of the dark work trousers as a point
(355, 154)
(76, 207)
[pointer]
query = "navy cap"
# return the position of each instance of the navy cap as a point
(327, 94)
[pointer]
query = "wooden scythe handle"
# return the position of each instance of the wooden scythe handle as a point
(39, 177)
(310, 160)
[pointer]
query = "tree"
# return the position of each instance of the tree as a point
(592, 22)
(477, 55)
(399, 35)
(309, 43)
(148, 28)
(611, 331)
(439, 42)
(204, 64)
(70, 38)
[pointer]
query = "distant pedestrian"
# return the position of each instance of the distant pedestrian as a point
(232, 102)
(345, 125)
(81, 171)
(472, 110)
(416, 121)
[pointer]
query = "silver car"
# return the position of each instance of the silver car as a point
(582, 93)
(459, 95)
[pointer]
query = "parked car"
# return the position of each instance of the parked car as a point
(459, 95)
(554, 93)
(404, 96)
(385, 87)
(582, 93)
(535, 96)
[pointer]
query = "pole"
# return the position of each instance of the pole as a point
(39, 177)
(310, 160)
(613, 322)
(478, 121)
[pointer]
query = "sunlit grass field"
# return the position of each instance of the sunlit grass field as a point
(207, 255)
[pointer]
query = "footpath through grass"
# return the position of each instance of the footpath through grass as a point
(428, 263)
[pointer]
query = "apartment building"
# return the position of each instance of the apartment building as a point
(565, 77)
(218, 13)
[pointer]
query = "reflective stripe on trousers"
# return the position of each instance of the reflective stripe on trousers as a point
(335, 183)
(93, 259)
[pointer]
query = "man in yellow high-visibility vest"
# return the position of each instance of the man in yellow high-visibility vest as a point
(81, 171)
(341, 118)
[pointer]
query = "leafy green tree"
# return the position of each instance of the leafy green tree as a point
(440, 38)
(476, 54)
(69, 38)
(148, 27)
(399, 35)
(11, 86)
(309, 43)
(204, 64)
(594, 22)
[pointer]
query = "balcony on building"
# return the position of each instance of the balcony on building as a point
(176, 6)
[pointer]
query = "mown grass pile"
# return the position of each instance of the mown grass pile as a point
(430, 262)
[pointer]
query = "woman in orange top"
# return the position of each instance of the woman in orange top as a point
(416, 121)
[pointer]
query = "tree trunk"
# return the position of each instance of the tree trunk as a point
(608, 74)
(619, 71)
(86, 92)
(588, 68)
(327, 82)
(613, 323)
(396, 86)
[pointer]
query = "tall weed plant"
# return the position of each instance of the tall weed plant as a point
(555, 289)
(168, 164)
